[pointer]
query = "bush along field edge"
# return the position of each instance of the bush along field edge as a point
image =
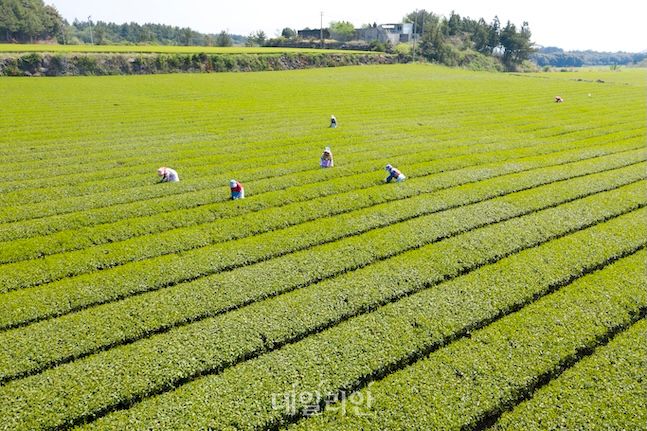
(75, 64)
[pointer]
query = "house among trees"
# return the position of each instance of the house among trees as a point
(394, 33)
(383, 33)
(307, 33)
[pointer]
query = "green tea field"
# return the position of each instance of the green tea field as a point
(501, 286)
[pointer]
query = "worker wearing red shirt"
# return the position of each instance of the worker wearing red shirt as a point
(237, 190)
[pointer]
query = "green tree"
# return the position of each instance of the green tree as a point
(454, 24)
(480, 37)
(342, 30)
(53, 22)
(494, 34)
(28, 20)
(420, 18)
(256, 39)
(187, 34)
(100, 32)
(288, 33)
(67, 35)
(31, 22)
(223, 39)
(432, 43)
(147, 34)
(516, 44)
(9, 19)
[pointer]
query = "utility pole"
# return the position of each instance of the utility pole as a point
(422, 29)
(91, 36)
(414, 39)
(321, 31)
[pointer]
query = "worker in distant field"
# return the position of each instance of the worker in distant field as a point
(168, 175)
(558, 99)
(326, 158)
(333, 122)
(394, 174)
(237, 190)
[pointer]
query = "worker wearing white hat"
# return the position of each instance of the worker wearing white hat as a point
(237, 190)
(394, 174)
(326, 159)
(168, 175)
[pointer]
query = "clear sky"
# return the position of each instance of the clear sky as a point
(617, 25)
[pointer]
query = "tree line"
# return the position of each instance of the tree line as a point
(28, 21)
(107, 33)
(32, 20)
(441, 39)
(557, 57)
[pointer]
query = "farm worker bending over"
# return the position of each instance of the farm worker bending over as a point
(333, 121)
(326, 158)
(168, 175)
(237, 190)
(394, 174)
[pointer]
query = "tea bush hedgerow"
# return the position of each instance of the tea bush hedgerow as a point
(602, 391)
